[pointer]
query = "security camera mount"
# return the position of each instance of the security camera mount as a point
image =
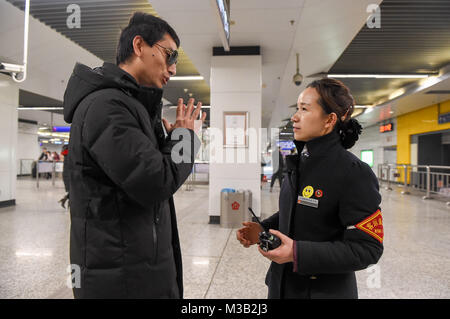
(15, 70)
(298, 78)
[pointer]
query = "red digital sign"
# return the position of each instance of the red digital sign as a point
(386, 128)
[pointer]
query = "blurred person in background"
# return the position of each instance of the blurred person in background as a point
(65, 154)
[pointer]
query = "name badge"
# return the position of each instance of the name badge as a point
(311, 202)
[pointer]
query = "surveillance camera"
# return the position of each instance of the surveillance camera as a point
(297, 79)
(11, 68)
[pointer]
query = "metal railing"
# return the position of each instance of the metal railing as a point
(52, 167)
(430, 179)
(26, 166)
(197, 169)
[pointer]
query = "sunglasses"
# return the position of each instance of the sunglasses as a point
(172, 55)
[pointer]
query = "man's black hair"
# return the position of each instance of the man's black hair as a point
(150, 28)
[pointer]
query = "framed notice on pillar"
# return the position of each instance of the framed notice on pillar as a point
(235, 126)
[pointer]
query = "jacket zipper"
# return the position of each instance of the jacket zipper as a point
(155, 234)
(294, 193)
(155, 243)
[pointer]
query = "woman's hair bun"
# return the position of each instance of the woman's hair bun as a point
(349, 132)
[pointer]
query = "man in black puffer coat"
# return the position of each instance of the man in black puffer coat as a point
(124, 236)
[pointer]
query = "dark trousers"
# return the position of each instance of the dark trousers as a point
(277, 175)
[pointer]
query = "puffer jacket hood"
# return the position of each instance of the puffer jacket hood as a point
(85, 81)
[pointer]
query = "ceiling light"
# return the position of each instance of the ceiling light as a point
(222, 9)
(49, 108)
(397, 93)
(187, 78)
(432, 80)
(380, 76)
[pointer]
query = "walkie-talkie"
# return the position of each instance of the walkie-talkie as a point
(267, 241)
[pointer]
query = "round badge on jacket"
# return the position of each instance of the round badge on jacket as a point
(308, 191)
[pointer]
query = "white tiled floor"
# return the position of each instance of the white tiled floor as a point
(34, 240)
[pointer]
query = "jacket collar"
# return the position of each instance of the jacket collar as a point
(321, 145)
(120, 75)
(150, 97)
(317, 147)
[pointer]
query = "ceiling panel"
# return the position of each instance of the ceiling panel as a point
(370, 91)
(32, 100)
(101, 23)
(29, 99)
(414, 38)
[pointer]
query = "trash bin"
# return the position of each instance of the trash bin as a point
(234, 207)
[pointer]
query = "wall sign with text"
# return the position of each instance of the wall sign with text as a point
(386, 128)
(444, 118)
(235, 129)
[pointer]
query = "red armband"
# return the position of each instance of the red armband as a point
(373, 225)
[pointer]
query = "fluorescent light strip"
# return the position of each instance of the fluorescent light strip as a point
(40, 108)
(54, 134)
(380, 76)
(187, 78)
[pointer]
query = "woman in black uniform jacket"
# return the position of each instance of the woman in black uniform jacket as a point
(329, 218)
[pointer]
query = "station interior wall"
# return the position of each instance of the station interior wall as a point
(421, 121)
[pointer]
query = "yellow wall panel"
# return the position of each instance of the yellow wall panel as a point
(445, 107)
(421, 121)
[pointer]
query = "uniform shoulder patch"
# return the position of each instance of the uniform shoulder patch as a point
(373, 225)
